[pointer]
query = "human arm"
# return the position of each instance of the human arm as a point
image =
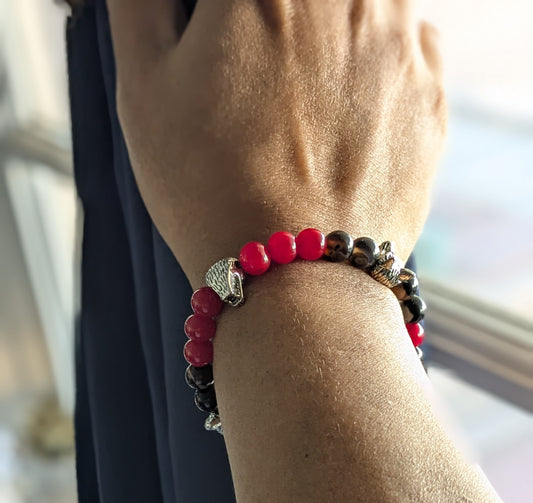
(283, 115)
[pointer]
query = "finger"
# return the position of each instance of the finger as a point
(404, 7)
(398, 12)
(143, 30)
(429, 43)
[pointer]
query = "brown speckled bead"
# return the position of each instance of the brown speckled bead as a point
(413, 309)
(408, 285)
(339, 246)
(365, 252)
(206, 399)
(199, 377)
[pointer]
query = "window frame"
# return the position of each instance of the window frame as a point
(485, 346)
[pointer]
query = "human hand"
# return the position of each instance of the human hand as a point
(277, 115)
(283, 114)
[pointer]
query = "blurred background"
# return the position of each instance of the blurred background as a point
(475, 257)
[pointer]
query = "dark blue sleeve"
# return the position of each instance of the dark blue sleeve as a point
(139, 437)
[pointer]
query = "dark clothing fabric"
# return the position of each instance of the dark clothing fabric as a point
(139, 436)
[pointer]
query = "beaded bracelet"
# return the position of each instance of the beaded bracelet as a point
(224, 285)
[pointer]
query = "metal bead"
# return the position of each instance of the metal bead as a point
(213, 423)
(339, 246)
(225, 277)
(199, 377)
(206, 399)
(365, 253)
(387, 267)
(388, 247)
(408, 285)
(386, 272)
(413, 309)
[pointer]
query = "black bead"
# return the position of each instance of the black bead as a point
(339, 246)
(408, 285)
(413, 309)
(199, 377)
(365, 253)
(206, 399)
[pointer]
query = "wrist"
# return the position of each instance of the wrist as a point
(280, 309)
(317, 361)
(337, 301)
(315, 287)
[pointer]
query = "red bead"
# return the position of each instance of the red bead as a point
(310, 244)
(200, 328)
(198, 353)
(416, 332)
(282, 247)
(254, 258)
(205, 301)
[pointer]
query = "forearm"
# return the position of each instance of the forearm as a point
(323, 397)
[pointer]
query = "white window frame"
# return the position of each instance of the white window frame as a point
(486, 346)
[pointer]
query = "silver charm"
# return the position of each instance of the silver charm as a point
(419, 353)
(388, 267)
(213, 423)
(407, 275)
(225, 278)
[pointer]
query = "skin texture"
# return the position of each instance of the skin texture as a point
(282, 115)
(285, 114)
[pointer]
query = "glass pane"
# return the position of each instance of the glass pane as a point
(480, 232)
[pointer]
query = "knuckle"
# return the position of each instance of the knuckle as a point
(400, 46)
(276, 14)
(361, 11)
(429, 30)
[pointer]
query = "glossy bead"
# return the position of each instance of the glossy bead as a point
(282, 247)
(206, 399)
(416, 332)
(310, 244)
(205, 301)
(254, 258)
(339, 246)
(198, 353)
(200, 328)
(199, 377)
(408, 285)
(365, 253)
(413, 309)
